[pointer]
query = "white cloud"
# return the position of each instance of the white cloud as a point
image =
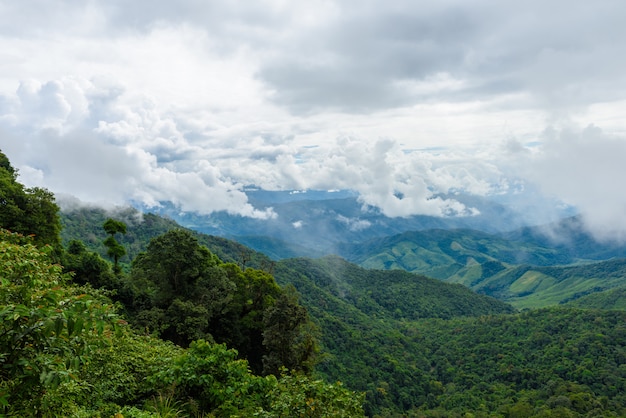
(585, 168)
(354, 224)
(118, 161)
(151, 101)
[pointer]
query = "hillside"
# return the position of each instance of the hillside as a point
(437, 252)
(569, 238)
(85, 224)
(526, 273)
(358, 310)
(393, 294)
(66, 349)
(528, 286)
(422, 347)
(608, 299)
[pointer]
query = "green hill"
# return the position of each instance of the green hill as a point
(392, 294)
(422, 347)
(85, 224)
(438, 252)
(525, 274)
(530, 286)
(570, 238)
(608, 299)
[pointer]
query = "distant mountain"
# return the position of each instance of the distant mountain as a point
(314, 222)
(526, 268)
(372, 291)
(532, 287)
(440, 253)
(570, 238)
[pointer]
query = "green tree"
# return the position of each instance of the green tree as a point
(185, 281)
(28, 211)
(289, 336)
(115, 250)
(209, 379)
(241, 325)
(47, 328)
(88, 267)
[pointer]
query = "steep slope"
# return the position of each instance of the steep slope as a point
(608, 299)
(392, 294)
(531, 286)
(360, 312)
(85, 224)
(524, 273)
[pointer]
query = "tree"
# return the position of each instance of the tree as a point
(289, 337)
(185, 281)
(115, 250)
(28, 211)
(47, 328)
(241, 326)
(88, 267)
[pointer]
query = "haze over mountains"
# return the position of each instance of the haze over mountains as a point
(316, 222)
(499, 250)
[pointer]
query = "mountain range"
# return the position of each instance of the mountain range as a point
(315, 222)
(496, 252)
(396, 334)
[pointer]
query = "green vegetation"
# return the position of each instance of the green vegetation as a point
(115, 250)
(29, 211)
(389, 334)
(549, 362)
(193, 325)
(181, 291)
(526, 274)
(608, 299)
(65, 350)
(440, 353)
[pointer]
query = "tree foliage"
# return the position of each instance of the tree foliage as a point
(115, 250)
(47, 328)
(28, 211)
(64, 351)
(185, 293)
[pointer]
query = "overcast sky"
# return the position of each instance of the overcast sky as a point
(190, 101)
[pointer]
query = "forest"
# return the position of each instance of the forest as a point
(127, 314)
(180, 334)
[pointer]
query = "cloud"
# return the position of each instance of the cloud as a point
(408, 106)
(359, 60)
(584, 168)
(354, 224)
(397, 182)
(138, 158)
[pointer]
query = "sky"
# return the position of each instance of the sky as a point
(404, 102)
